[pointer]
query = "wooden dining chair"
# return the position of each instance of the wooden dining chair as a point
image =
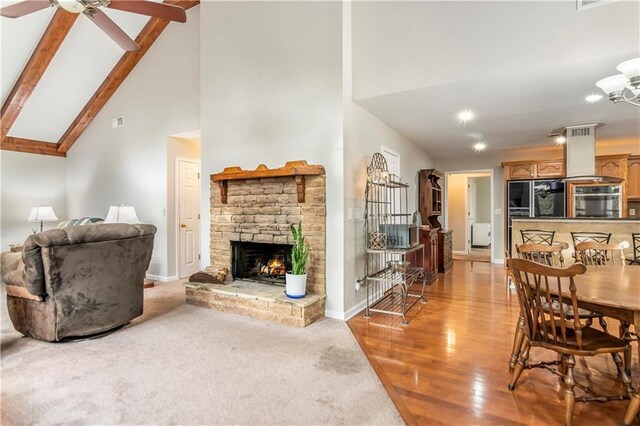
(537, 236)
(547, 254)
(537, 285)
(550, 255)
(634, 257)
(633, 410)
(593, 253)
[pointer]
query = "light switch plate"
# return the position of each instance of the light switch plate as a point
(632, 212)
(498, 211)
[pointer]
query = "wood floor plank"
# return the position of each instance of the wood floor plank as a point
(450, 365)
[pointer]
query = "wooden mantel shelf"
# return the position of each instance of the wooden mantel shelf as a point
(297, 169)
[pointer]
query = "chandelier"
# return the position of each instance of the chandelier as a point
(623, 87)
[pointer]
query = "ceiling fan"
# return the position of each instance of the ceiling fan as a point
(91, 9)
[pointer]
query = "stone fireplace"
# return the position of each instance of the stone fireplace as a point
(251, 215)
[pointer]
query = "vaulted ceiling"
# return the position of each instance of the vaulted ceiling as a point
(59, 71)
(523, 67)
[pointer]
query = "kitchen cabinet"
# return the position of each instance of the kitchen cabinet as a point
(612, 165)
(521, 170)
(550, 169)
(526, 170)
(633, 177)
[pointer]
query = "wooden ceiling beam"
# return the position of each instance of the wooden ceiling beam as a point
(41, 57)
(116, 77)
(31, 146)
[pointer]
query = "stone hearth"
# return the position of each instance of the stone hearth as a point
(259, 206)
(261, 301)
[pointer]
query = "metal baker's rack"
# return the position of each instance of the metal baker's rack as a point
(390, 237)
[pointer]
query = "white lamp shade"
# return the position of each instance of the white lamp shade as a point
(42, 214)
(122, 214)
(630, 68)
(612, 84)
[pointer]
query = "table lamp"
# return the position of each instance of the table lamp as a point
(122, 214)
(42, 214)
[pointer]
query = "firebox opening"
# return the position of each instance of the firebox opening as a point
(266, 263)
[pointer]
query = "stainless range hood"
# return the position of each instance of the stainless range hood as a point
(580, 154)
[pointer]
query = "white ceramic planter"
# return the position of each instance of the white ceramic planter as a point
(296, 286)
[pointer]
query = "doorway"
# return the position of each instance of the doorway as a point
(183, 197)
(468, 212)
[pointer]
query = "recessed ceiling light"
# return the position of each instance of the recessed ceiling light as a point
(466, 115)
(594, 97)
(560, 140)
(479, 146)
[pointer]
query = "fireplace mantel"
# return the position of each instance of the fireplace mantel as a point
(297, 169)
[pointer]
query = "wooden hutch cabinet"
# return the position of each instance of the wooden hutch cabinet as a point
(438, 241)
(445, 250)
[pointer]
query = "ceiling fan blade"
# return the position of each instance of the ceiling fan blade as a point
(24, 8)
(111, 28)
(150, 8)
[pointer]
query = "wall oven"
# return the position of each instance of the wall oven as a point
(596, 200)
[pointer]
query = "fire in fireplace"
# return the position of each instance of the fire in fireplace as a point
(260, 262)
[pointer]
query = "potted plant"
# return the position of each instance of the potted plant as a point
(296, 282)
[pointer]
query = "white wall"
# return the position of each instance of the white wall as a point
(29, 180)
(271, 92)
(129, 164)
(364, 135)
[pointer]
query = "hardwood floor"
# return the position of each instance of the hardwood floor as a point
(476, 255)
(450, 364)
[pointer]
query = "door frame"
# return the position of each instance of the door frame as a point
(176, 209)
(471, 209)
(493, 211)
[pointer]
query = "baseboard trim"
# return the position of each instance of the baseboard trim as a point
(334, 314)
(346, 316)
(161, 278)
(355, 310)
(498, 261)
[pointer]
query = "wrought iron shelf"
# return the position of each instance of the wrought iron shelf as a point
(388, 274)
(387, 222)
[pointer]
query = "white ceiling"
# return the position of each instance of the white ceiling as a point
(522, 67)
(84, 59)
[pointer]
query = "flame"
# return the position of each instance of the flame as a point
(275, 264)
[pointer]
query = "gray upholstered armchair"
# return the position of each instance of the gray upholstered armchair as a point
(79, 281)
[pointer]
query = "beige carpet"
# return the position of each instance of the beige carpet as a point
(181, 364)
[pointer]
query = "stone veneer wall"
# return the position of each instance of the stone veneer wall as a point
(261, 210)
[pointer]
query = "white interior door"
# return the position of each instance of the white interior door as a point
(188, 217)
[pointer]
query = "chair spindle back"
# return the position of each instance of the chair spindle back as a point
(537, 236)
(537, 287)
(594, 253)
(545, 254)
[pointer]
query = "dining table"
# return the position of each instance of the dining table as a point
(612, 291)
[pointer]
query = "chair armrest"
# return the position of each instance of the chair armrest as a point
(9, 262)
